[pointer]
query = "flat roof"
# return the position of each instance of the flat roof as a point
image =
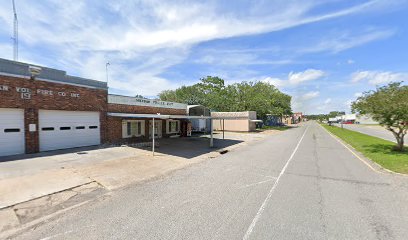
(20, 69)
(165, 116)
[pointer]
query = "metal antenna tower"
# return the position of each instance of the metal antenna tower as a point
(15, 37)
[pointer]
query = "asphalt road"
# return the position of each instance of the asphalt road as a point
(373, 130)
(286, 187)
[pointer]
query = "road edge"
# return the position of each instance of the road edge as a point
(366, 160)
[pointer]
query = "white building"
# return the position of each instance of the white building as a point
(365, 119)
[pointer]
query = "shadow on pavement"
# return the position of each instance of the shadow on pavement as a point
(190, 147)
(183, 147)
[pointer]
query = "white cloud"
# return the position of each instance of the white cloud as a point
(327, 101)
(142, 39)
(295, 78)
(358, 94)
(350, 61)
(378, 77)
(274, 81)
(342, 41)
(304, 102)
(310, 95)
(236, 59)
(308, 75)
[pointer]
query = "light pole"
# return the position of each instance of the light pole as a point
(107, 75)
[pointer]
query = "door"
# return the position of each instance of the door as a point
(68, 129)
(157, 128)
(11, 131)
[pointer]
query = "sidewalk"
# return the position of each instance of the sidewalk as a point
(44, 183)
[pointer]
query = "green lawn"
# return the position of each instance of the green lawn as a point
(377, 149)
(279, 128)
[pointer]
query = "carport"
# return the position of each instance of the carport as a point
(160, 116)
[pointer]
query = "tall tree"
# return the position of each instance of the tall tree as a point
(264, 98)
(389, 106)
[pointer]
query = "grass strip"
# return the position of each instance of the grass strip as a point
(377, 149)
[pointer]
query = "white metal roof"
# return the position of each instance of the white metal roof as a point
(162, 116)
(126, 100)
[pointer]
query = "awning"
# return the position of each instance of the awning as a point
(159, 116)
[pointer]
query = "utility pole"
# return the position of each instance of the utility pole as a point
(107, 75)
(15, 37)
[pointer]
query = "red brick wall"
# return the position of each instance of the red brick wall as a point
(89, 99)
(31, 138)
(114, 130)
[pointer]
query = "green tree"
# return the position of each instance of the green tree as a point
(389, 106)
(213, 88)
(212, 92)
(335, 114)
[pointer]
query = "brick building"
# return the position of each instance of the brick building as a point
(44, 109)
(130, 119)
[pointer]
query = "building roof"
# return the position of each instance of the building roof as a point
(247, 115)
(165, 116)
(158, 116)
(19, 69)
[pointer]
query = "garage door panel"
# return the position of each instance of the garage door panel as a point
(11, 131)
(68, 129)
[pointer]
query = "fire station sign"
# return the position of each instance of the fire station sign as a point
(26, 93)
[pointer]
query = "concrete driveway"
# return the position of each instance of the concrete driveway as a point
(301, 184)
(32, 186)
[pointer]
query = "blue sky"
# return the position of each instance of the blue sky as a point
(322, 52)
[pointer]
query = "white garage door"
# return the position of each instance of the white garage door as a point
(68, 129)
(11, 131)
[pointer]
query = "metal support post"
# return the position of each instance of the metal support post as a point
(223, 129)
(211, 131)
(153, 136)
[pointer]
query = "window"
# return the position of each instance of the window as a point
(173, 126)
(65, 128)
(132, 128)
(80, 127)
(10, 130)
(139, 128)
(93, 127)
(48, 129)
(129, 128)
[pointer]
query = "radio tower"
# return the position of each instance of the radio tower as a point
(15, 37)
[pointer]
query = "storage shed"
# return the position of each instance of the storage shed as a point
(242, 122)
